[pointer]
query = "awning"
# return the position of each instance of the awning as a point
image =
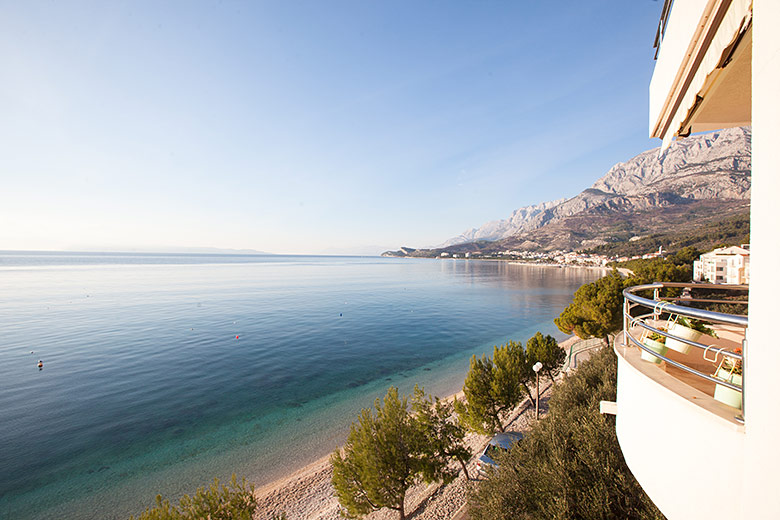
(712, 85)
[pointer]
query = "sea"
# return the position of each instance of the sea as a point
(162, 372)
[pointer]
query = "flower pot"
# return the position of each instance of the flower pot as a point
(727, 395)
(681, 331)
(655, 346)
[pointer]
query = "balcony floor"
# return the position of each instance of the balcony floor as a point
(688, 386)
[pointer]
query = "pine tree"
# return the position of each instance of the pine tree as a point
(234, 501)
(596, 309)
(443, 433)
(545, 349)
(384, 455)
(493, 387)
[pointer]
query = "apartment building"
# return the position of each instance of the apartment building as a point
(724, 265)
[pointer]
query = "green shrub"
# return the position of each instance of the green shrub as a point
(696, 325)
(657, 337)
(570, 464)
(235, 501)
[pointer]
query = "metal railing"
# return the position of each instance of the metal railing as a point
(659, 306)
(659, 34)
(583, 345)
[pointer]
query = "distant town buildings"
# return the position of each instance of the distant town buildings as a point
(724, 265)
(574, 258)
(728, 265)
(562, 258)
(655, 254)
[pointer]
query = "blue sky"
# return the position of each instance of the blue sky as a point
(308, 127)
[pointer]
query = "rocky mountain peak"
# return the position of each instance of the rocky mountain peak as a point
(520, 220)
(709, 166)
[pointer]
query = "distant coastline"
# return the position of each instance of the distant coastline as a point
(560, 266)
(509, 261)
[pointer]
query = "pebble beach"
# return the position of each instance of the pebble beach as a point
(308, 494)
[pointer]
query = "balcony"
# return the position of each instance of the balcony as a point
(680, 419)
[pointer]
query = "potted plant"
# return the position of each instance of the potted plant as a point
(687, 328)
(656, 343)
(729, 370)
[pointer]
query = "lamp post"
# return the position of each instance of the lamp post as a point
(537, 367)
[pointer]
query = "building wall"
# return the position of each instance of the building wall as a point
(761, 478)
(718, 268)
(687, 459)
(679, 31)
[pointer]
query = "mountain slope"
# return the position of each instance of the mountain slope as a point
(709, 166)
(521, 220)
(695, 180)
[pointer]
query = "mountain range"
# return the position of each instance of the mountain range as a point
(699, 178)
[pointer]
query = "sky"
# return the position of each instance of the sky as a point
(308, 127)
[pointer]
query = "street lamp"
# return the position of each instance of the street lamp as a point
(537, 367)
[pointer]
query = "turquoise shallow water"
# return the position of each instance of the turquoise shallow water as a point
(146, 389)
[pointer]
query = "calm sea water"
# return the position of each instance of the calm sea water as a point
(162, 372)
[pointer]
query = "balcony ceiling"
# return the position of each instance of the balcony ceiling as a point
(726, 96)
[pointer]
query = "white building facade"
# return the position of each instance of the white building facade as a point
(729, 265)
(718, 66)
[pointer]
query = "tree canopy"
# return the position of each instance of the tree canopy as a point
(385, 453)
(494, 386)
(596, 309)
(673, 268)
(444, 435)
(235, 501)
(570, 464)
(545, 349)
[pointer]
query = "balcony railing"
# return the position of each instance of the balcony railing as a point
(691, 360)
(659, 34)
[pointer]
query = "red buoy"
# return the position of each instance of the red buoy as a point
(236, 336)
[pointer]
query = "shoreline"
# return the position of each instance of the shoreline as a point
(559, 266)
(306, 493)
(506, 260)
(263, 407)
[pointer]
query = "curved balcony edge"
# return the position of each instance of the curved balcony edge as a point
(679, 443)
(683, 310)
